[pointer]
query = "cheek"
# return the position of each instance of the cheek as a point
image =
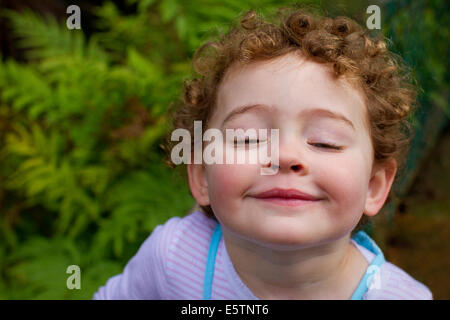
(227, 183)
(345, 182)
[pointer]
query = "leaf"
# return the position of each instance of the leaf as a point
(66, 215)
(95, 177)
(37, 186)
(8, 234)
(181, 26)
(30, 163)
(44, 37)
(143, 67)
(38, 267)
(24, 88)
(80, 224)
(143, 5)
(168, 9)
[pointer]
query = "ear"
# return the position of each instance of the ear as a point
(379, 186)
(198, 183)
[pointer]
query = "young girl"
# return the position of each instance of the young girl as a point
(340, 101)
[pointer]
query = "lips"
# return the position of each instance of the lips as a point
(287, 197)
(289, 194)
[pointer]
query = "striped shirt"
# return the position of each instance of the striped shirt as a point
(171, 263)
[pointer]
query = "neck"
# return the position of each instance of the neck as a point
(319, 272)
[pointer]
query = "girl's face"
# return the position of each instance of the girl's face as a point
(324, 150)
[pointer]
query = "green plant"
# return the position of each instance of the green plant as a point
(80, 149)
(82, 179)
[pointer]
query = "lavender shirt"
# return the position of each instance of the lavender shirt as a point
(171, 262)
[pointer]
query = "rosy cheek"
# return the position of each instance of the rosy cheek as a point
(226, 183)
(344, 182)
(220, 180)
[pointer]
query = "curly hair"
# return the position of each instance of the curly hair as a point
(339, 42)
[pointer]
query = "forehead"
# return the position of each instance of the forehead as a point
(289, 83)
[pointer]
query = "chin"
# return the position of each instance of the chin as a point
(285, 244)
(286, 240)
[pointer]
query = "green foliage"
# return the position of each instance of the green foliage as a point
(82, 179)
(81, 166)
(423, 44)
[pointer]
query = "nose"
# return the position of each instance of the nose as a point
(290, 158)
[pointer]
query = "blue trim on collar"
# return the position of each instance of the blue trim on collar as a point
(209, 272)
(360, 238)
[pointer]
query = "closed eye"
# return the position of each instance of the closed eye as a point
(246, 141)
(326, 146)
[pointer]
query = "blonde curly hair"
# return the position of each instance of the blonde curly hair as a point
(340, 42)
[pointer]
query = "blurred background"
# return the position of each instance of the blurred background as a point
(83, 113)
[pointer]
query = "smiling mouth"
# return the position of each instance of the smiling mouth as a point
(287, 197)
(288, 202)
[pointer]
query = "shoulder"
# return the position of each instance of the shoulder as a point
(192, 231)
(183, 253)
(397, 284)
(198, 222)
(177, 227)
(179, 232)
(163, 262)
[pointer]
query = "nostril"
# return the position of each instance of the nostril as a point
(295, 167)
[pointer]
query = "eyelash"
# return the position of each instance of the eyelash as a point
(326, 146)
(246, 141)
(318, 145)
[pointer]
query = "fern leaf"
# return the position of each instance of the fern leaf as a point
(44, 37)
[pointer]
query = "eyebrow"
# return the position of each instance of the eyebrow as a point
(245, 109)
(261, 107)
